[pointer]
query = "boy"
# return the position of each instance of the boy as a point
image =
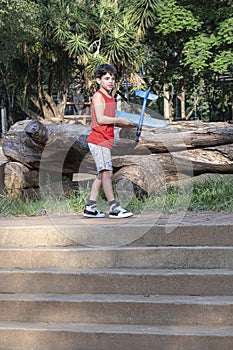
(100, 142)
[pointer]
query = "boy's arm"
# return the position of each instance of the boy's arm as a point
(99, 105)
(120, 125)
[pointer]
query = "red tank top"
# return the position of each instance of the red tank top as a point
(103, 135)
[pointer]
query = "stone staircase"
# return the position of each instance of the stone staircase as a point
(164, 290)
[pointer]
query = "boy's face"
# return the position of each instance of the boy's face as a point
(106, 82)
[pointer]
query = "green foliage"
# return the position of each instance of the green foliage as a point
(216, 195)
(172, 18)
(225, 31)
(198, 52)
(222, 61)
(17, 26)
(115, 36)
(56, 44)
(76, 44)
(142, 14)
(207, 193)
(21, 204)
(190, 49)
(211, 49)
(213, 193)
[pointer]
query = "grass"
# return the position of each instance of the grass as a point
(214, 193)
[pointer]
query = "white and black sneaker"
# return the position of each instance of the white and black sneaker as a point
(91, 211)
(116, 212)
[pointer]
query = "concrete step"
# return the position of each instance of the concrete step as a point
(117, 257)
(155, 236)
(199, 282)
(60, 336)
(200, 229)
(135, 284)
(118, 309)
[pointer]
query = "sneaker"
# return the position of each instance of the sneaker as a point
(118, 212)
(92, 212)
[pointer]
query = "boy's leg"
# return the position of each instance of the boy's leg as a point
(107, 185)
(116, 211)
(103, 160)
(90, 209)
(96, 187)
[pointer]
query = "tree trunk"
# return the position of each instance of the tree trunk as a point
(166, 108)
(182, 103)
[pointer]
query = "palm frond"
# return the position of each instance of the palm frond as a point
(142, 14)
(77, 44)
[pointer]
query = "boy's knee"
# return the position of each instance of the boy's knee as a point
(107, 174)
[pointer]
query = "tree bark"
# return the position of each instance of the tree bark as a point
(166, 99)
(181, 98)
(17, 176)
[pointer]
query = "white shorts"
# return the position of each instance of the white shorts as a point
(102, 157)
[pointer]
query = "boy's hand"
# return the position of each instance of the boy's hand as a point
(125, 123)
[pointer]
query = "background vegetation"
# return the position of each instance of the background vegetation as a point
(183, 49)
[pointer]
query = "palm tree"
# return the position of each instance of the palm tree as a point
(56, 54)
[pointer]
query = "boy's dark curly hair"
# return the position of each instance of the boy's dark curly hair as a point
(102, 69)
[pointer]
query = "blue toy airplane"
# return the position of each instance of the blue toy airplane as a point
(138, 119)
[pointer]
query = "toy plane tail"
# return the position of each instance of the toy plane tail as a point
(146, 94)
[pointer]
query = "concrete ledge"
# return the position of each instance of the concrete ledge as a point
(199, 282)
(73, 258)
(118, 309)
(195, 229)
(41, 336)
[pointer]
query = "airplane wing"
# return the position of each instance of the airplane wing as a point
(147, 121)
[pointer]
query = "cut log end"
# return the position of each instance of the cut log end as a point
(37, 131)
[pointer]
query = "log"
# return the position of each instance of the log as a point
(17, 176)
(178, 152)
(47, 145)
(183, 135)
(45, 155)
(155, 171)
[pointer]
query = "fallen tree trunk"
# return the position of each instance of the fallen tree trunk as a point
(177, 152)
(154, 171)
(46, 146)
(183, 135)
